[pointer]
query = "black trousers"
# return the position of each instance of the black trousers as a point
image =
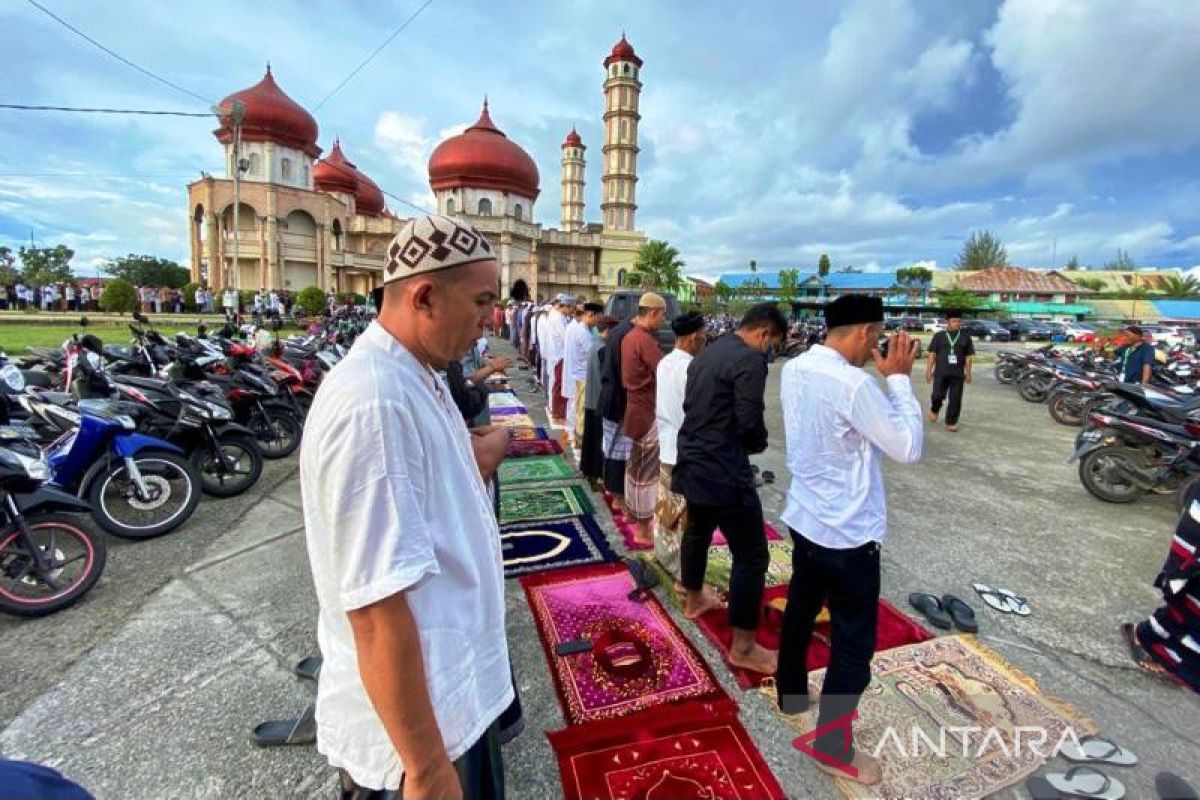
(944, 385)
(742, 524)
(848, 580)
(480, 771)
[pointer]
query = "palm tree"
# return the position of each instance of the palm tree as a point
(1179, 288)
(657, 266)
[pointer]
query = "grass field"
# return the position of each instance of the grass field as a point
(15, 338)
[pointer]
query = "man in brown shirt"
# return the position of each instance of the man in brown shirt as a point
(640, 355)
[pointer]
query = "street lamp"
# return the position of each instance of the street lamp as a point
(233, 113)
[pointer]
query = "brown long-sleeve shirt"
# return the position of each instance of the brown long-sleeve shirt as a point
(640, 355)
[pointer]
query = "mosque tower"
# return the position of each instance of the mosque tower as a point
(622, 91)
(572, 182)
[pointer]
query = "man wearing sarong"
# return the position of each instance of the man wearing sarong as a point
(671, 380)
(612, 411)
(577, 343)
(640, 354)
(723, 426)
(839, 425)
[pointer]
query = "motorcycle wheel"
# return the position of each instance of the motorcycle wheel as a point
(1032, 392)
(175, 489)
(1187, 492)
(278, 431)
(1065, 411)
(1004, 372)
(1095, 468)
(74, 552)
(244, 465)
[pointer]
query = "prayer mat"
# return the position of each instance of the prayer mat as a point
(772, 535)
(698, 750)
(507, 411)
(627, 529)
(549, 544)
(523, 448)
(521, 504)
(892, 629)
(513, 420)
(956, 687)
(639, 657)
(720, 564)
(534, 469)
(530, 433)
(503, 400)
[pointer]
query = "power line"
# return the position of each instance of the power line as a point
(89, 175)
(374, 53)
(402, 200)
(75, 109)
(115, 55)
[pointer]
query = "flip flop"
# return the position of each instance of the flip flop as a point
(1086, 782)
(1019, 605)
(281, 732)
(962, 614)
(931, 607)
(644, 577)
(1172, 787)
(768, 476)
(308, 668)
(1040, 789)
(994, 598)
(1093, 749)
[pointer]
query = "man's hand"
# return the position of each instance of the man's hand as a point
(902, 351)
(929, 376)
(490, 445)
(440, 782)
(500, 363)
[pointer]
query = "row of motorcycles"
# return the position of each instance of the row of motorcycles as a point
(1135, 439)
(133, 435)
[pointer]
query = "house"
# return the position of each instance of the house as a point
(813, 289)
(694, 291)
(1043, 294)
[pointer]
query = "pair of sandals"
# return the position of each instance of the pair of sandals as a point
(1084, 780)
(1003, 600)
(761, 476)
(945, 612)
(301, 730)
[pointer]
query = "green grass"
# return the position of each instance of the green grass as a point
(15, 338)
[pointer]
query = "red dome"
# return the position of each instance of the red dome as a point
(271, 116)
(482, 157)
(368, 199)
(335, 173)
(623, 51)
(573, 140)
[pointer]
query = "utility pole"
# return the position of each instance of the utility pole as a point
(234, 113)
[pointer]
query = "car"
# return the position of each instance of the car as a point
(1166, 335)
(894, 324)
(933, 325)
(986, 330)
(1074, 330)
(624, 304)
(1027, 330)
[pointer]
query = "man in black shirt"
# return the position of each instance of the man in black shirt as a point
(948, 367)
(722, 427)
(613, 400)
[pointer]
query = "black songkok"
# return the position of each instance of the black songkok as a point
(853, 309)
(687, 323)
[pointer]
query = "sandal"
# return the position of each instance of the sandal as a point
(962, 614)
(1003, 600)
(768, 476)
(1093, 749)
(308, 668)
(931, 607)
(1018, 604)
(280, 732)
(1086, 782)
(1172, 787)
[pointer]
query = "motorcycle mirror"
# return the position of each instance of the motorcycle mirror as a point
(83, 322)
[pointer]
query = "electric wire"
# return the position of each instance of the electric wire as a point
(80, 110)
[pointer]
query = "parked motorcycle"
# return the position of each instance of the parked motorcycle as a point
(1123, 457)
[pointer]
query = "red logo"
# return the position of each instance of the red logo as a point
(845, 725)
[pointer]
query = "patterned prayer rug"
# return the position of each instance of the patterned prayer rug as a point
(627, 529)
(534, 469)
(520, 504)
(892, 629)
(503, 400)
(772, 535)
(698, 751)
(530, 433)
(507, 411)
(522, 448)
(720, 563)
(924, 691)
(549, 544)
(521, 420)
(639, 658)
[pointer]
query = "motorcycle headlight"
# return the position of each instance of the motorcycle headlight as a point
(219, 411)
(35, 468)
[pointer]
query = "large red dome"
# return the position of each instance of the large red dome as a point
(335, 173)
(482, 157)
(271, 116)
(368, 199)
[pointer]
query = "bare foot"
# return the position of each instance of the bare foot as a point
(866, 769)
(700, 603)
(757, 658)
(932, 417)
(952, 428)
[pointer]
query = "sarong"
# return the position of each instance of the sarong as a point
(1172, 633)
(670, 518)
(641, 476)
(575, 412)
(558, 401)
(616, 453)
(591, 451)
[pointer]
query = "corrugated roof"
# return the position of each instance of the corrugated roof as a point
(834, 280)
(1116, 280)
(1018, 279)
(1124, 309)
(1176, 309)
(1024, 307)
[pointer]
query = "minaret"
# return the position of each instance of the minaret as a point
(622, 90)
(572, 182)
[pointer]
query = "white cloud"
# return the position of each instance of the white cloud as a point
(402, 139)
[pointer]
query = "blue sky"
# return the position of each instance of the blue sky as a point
(881, 132)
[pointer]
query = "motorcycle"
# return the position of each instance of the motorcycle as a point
(1123, 457)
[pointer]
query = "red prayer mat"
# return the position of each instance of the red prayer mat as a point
(893, 629)
(639, 657)
(698, 750)
(520, 448)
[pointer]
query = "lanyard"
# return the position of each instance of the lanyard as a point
(953, 341)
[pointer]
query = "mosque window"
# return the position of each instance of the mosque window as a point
(485, 207)
(517, 211)
(620, 277)
(304, 172)
(254, 165)
(625, 69)
(337, 235)
(450, 205)
(285, 170)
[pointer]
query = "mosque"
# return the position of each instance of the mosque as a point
(306, 221)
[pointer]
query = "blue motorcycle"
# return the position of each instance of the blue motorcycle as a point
(138, 486)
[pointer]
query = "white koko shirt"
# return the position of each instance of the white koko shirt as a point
(393, 502)
(838, 424)
(669, 383)
(577, 345)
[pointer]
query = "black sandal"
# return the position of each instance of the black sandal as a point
(281, 732)
(931, 607)
(308, 668)
(644, 577)
(962, 614)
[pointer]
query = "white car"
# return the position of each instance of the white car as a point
(934, 325)
(1073, 330)
(1166, 335)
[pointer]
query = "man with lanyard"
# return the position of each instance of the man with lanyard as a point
(948, 367)
(838, 425)
(402, 537)
(1136, 356)
(723, 425)
(577, 344)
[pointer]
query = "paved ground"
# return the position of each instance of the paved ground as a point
(149, 688)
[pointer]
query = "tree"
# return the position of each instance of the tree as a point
(789, 286)
(752, 288)
(1073, 263)
(657, 266)
(823, 265)
(1095, 284)
(189, 296)
(958, 298)
(723, 291)
(1122, 262)
(119, 296)
(312, 300)
(1180, 288)
(43, 265)
(148, 271)
(8, 269)
(753, 265)
(919, 277)
(982, 250)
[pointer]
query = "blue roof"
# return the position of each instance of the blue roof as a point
(834, 280)
(1177, 309)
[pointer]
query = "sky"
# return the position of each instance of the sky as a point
(881, 132)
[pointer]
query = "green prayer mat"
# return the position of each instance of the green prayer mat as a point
(534, 468)
(520, 504)
(779, 565)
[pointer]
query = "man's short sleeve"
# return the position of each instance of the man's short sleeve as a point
(935, 343)
(970, 346)
(371, 487)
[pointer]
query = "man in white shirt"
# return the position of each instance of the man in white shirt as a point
(199, 298)
(556, 327)
(85, 299)
(670, 510)
(402, 539)
(229, 300)
(577, 344)
(839, 425)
